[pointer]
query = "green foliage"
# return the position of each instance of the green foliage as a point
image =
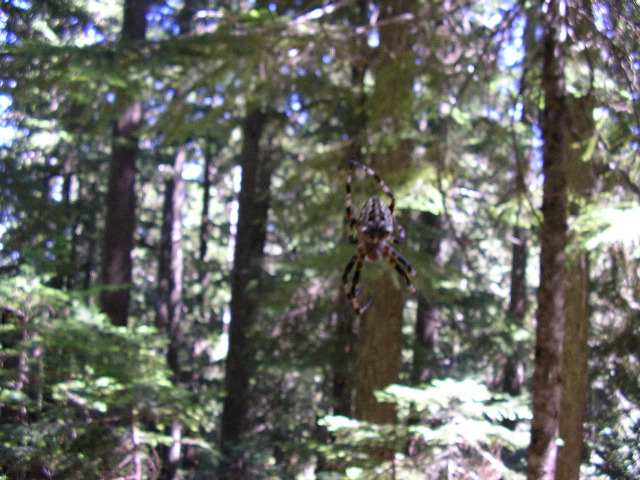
(80, 394)
(449, 424)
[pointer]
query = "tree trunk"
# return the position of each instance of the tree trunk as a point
(575, 382)
(251, 233)
(204, 264)
(170, 283)
(92, 240)
(512, 373)
(425, 361)
(120, 217)
(553, 237)
(343, 359)
(379, 349)
(513, 368)
(205, 222)
(428, 322)
(345, 337)
(171, 263)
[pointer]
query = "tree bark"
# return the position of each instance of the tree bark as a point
(553, 237)
(120, 217)
(513, 368)
(170, 283)
(205, 222)
(428, 320)
(205, 266)
(379, 347)
(512, 373)
(343, 359)
(575, 381)
(250, 238)
(171, 263)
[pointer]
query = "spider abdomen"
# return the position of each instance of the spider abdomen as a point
(376, 220)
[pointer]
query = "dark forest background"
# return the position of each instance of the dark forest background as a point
(173, 239)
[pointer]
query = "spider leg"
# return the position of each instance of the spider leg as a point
(356, 260)
(400, 258)
(395, 259)
(352, 296)
(398, 236)
(352, 221)
(357, 309)
(356, 278)
(350, 290)
(383, 185)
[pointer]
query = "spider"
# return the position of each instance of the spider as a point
(376, 226)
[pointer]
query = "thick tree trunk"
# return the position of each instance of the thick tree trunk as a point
(380, 337)
(120, 218)
(379, 347)
(553, 236)
(250, 239)
(575, 381)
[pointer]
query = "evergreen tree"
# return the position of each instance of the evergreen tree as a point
(121, 199)
(553, 238)
(253, 205)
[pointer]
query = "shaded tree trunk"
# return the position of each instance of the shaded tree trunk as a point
(170, 283)
(553, 237)
(428, 319)
(66, 268)
(343, 369)
(513, 370)
(250, 238)
(205, 266)
(92, 240)
(170, 279)
(345, 336)
(120, 217)
(171, 263)
(205, 222)
(380, 335)
(575, 382)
